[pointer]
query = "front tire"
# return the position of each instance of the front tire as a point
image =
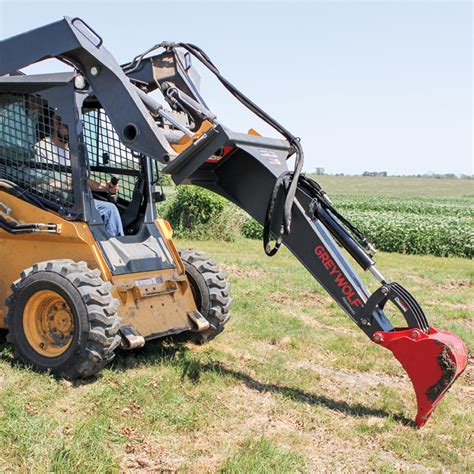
(211, 292)
(62, 318)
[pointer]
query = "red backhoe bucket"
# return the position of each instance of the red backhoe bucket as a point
(432, 361)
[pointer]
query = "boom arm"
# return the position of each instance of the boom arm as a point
(247, 175)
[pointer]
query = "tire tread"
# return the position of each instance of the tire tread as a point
(104, 323)
(219, 293)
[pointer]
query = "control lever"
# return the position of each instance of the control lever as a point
(113, 197)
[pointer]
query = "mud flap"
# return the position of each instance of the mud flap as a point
(433, 362)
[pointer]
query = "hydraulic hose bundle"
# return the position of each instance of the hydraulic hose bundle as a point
(287, 181)
(11, 225)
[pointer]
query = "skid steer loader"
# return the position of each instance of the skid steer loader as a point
(74, 288)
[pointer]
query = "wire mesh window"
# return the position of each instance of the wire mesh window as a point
(108, 156)
(34, 148)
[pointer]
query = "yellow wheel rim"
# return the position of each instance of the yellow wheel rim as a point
(48, 323)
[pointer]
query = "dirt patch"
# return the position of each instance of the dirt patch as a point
(469, 372)
(465, 383)
(314, 323)
(243, 357)
(454, 284)
(455, 306)
(468, 393)
(305, 299)
(348, 378)
(417, 279)
(143, 457)
(327, 454)
(234, 270)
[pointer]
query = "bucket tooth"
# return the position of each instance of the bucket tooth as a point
(131, 338)
(200, 322)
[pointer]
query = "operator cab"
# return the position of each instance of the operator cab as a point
(51, 150)
(39, 153)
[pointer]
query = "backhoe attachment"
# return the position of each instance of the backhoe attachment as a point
(247, 174)
(251, 171)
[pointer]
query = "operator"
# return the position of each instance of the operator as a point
(54, 149)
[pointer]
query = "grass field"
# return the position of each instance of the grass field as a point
(290, 386)
(397, 186)
(438, 221)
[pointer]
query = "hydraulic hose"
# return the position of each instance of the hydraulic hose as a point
(12, 188)
(15, 228)
(288, 182)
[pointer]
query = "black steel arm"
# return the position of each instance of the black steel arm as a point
(247, 176)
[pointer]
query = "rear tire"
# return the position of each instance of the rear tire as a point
(73, 341)
(211, 292)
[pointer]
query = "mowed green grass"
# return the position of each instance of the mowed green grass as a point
(290, 386)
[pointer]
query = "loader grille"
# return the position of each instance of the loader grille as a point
(34, 148)
(108, 156)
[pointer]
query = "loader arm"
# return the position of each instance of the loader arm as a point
(73, 41)
(251, 171)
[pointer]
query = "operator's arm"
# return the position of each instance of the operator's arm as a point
(101, 187)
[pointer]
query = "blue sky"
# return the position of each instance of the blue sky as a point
(366, 85)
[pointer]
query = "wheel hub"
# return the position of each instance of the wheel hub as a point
(48, 323)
